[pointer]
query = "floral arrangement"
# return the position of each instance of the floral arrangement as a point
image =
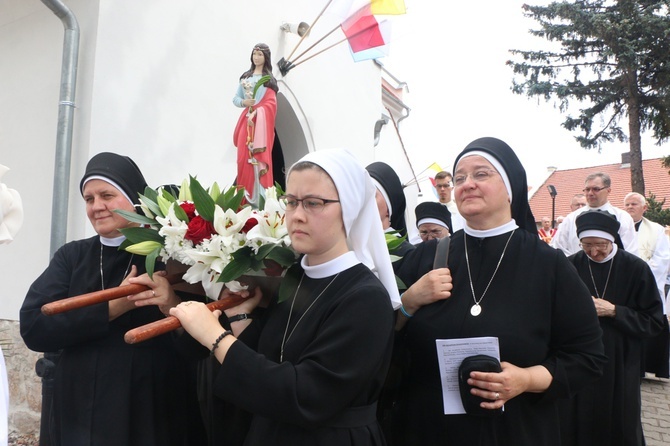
(212, 232)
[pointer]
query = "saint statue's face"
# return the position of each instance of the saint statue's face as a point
(258, 57)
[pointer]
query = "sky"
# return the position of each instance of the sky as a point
(452, 56)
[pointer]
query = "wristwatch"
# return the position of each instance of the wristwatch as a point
(239, 317)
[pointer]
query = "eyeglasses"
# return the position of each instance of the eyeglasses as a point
(443, 186)
(311, 205)
(478, 176)
(434, 233)
(593, 189)
(599, 246)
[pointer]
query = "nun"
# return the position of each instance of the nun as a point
(506, 284)
(311, 368)
(391, 203)
(107, 392)
(433, 220)
(624, 294)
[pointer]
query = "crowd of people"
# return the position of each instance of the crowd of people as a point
(366, 350)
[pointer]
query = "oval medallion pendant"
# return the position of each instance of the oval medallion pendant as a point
(475, 310)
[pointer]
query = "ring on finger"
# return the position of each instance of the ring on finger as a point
(497, 395)
(154, 293)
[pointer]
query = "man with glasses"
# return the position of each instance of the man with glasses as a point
(444, 185)
(597, 188)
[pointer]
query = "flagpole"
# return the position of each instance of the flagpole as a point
(309, 29)
(319, 52)
(402, 144)
(313, 45)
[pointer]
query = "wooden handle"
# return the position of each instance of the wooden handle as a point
(171, 323)
(96, 297)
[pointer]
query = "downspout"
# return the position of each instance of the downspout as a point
(59, 204)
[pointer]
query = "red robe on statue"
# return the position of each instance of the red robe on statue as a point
(262, 139)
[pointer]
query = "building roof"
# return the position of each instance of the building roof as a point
(571, 181)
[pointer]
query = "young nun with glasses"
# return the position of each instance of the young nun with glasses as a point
(624, 293)
(510, 285)
(311, 368)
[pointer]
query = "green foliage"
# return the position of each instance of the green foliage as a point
(655, 211)
(613, 59)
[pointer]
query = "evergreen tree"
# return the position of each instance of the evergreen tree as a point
(614, 60)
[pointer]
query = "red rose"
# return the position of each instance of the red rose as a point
(189, 208)
(199, 229)
(272, 268)
(249, 224)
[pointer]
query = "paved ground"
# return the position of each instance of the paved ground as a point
(656, 411)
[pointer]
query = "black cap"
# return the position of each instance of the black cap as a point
(433, 210)
(516, 174)
(389, 180)
(599, 220)
(120, 169)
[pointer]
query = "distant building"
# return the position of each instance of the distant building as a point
(571, 181)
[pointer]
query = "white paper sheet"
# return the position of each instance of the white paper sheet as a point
(450, 354)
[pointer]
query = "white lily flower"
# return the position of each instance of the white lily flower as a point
(229, 222)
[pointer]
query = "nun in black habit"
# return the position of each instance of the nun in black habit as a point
(311, 368)
(391, 202)
(108, 392)
(625, 296)
(506, 283)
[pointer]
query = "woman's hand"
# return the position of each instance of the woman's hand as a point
(201, 323)
(253, 299)
(604, 308)
(160, 292)
(512, 381)
(433, 286)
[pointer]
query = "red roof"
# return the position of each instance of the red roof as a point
(570, 182)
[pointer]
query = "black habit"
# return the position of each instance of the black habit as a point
(607, 412)
(107, 392)
(542, 315)
(336, 355)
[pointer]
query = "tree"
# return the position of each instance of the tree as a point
(617, 55)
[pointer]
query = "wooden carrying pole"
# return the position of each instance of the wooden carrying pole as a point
(171, 323)
(96, 297)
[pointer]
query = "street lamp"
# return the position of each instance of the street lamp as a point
(553, 193)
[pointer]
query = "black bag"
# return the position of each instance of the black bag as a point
(477, 363)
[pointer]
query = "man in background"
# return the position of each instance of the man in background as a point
(578, 201)
(597, 188)
(654, 248)
(546, 232)
(445, 186)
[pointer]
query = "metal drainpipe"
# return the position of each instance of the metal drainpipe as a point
(59, 204)
(46, 366)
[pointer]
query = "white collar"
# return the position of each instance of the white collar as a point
(331, 267)
(507, 227)
(116, 241)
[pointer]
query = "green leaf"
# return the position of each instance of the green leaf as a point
(152, 204)
(231, 199)
(260, 82)
(202, 200)
(150, 262)
(284, 256)
(180, 213)
(138, 235)
(287, 287)
(150, 194)
(135, 217)
(239, 266)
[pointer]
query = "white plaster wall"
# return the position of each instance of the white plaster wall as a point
(156, 81)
